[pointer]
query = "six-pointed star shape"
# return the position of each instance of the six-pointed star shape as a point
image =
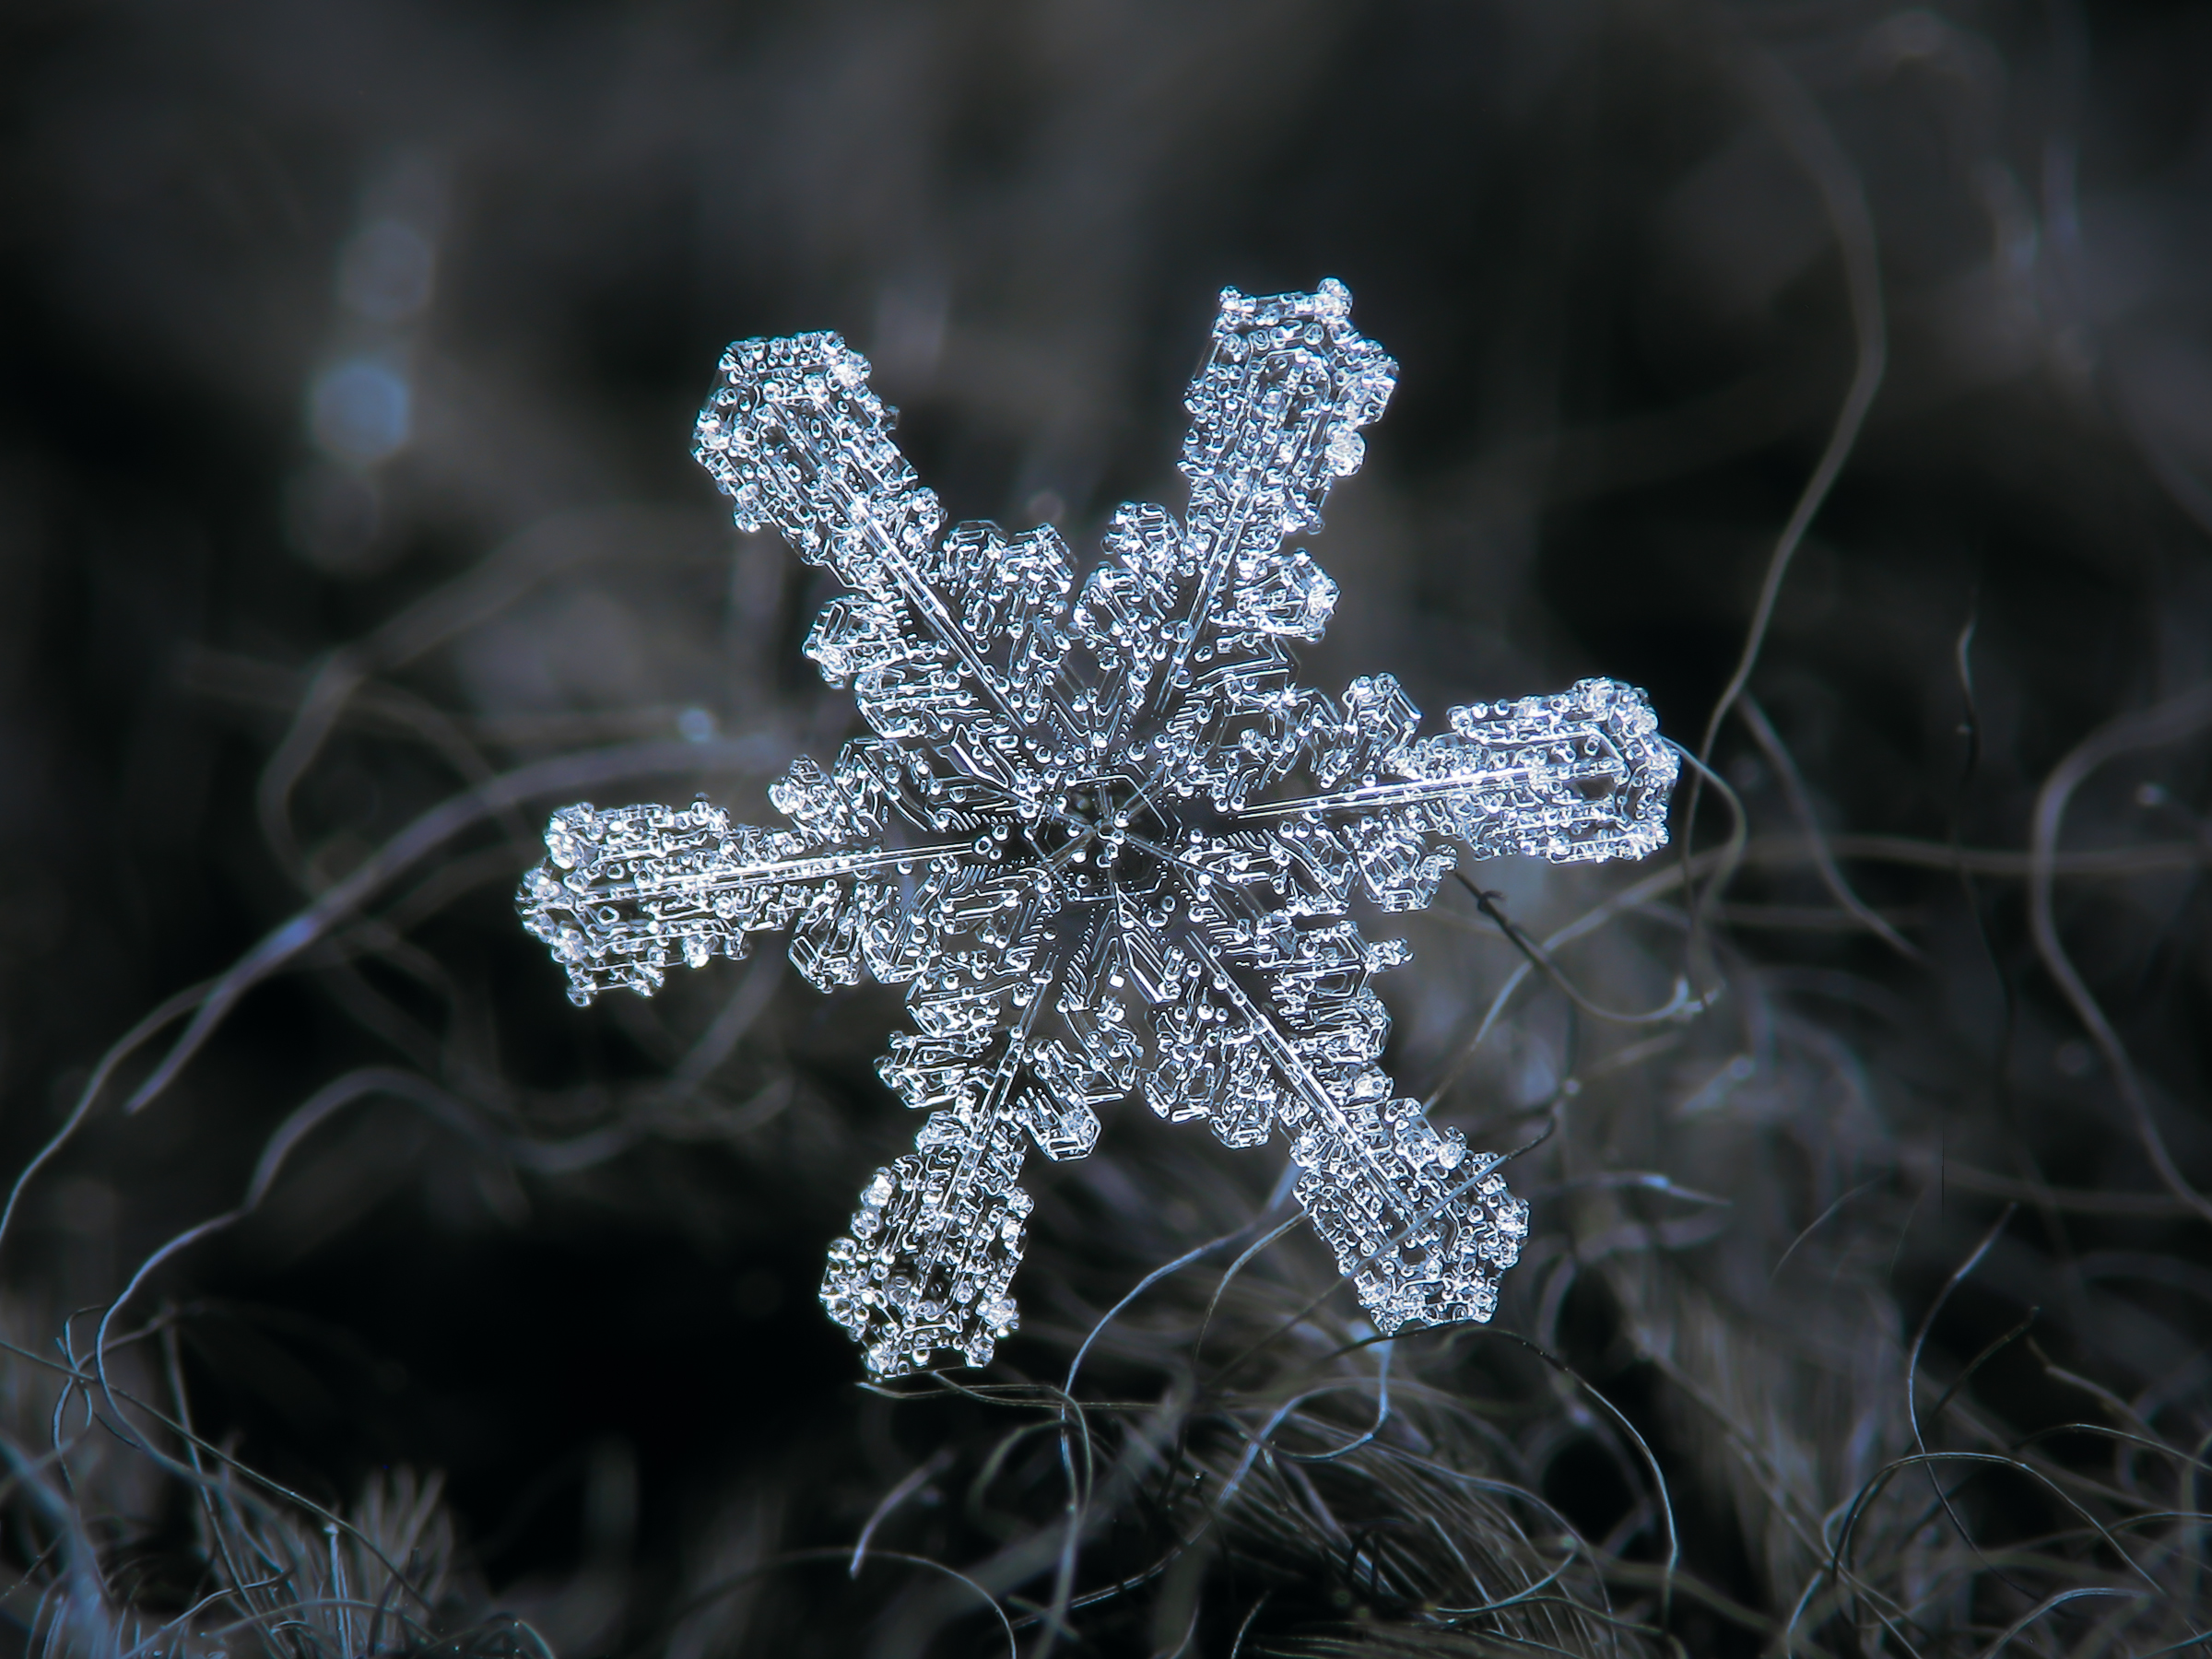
(1102, 836)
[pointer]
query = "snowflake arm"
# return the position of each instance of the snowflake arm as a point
(1275, 415)
(1184, 618)
(1422, 1227)
(1572, 778)
(955, 642)
(938, 1233)
(625, 892)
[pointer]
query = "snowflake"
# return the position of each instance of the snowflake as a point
(1102, 836)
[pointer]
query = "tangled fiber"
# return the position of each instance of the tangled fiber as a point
(1841, 372)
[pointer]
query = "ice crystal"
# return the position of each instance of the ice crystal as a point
(1102, 835)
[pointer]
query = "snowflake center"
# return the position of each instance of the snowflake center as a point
(1107, 835)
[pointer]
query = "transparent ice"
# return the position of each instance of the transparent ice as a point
(1102, 836)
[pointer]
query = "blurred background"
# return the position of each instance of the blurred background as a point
(347, 527)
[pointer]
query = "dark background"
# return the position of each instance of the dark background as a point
(351, 355)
